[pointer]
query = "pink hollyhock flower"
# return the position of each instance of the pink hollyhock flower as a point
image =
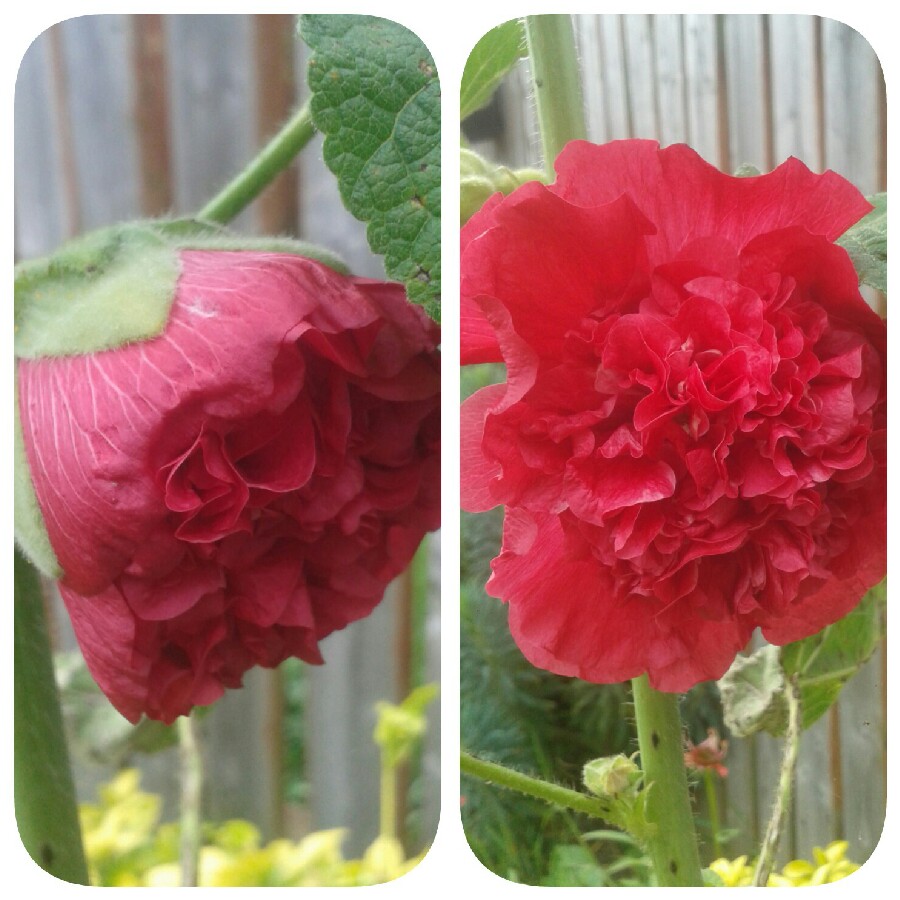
(690, 442)
(708, 754)
(231, 491)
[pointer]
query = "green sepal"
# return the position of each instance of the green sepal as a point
(107, 288)
(480, 178)
(116, 285)
(31, 533)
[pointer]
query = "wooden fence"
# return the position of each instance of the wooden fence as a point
(749, 89)
(118, 117)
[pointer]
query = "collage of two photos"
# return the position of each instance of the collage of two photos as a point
(231, 493)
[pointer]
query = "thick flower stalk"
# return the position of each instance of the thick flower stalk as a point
(690, 443)
(228, 492)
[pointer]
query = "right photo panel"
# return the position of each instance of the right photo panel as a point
(673, 450)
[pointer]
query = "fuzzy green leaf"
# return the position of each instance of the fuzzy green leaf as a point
(753, 689)
(491, 58)
(376, 98)
(826, 661)
(753, 693)
(866, 242)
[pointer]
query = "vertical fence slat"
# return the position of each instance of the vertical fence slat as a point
(747, 112)
(671, 90)
(97, 74)
(639, 64)
(212, 100)
(275, 100)
(612, 60)
(588, 35)
(852, 84)
(701, 85)
(795, 86)
(151, 114)
(41, 215)
(862, 747)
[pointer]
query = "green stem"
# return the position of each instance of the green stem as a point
(673, 843)
(261, 171)
(388, 801)
(45, 802)
(191, 792)
(557, 83)
(534, 787)
(712, 804)
(782, 804)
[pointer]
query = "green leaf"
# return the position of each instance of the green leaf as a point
(572, 865)
(753, 693)
(866, 242)
(376, 98)
(491, 58)
(753, 689)
(826, 661)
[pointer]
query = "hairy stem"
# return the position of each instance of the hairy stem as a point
(782, 804)
(673, 843)
(556, 78)
(191, 792)
(277, 155)
(45, 802)
(534, 787)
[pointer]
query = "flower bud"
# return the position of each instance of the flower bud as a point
(226, 452)
(611, 776)
(478, 179)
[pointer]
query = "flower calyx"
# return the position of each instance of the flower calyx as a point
(618, 782)
(479, 178)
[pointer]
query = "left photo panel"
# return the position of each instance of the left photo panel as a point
(227, 450)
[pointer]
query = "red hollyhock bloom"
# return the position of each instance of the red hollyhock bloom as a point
(691, 439)
(227, 494)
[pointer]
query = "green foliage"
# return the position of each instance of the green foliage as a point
(524, 718)
(400, 727)
(479, 178)
(491, 58)
(127, 846)
(866, 242)
(95, 730)
(753, 689)
(376, 98)
(826, 661)
(294, 686)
